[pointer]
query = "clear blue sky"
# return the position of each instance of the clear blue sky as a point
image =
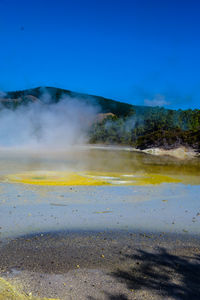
(137, 51)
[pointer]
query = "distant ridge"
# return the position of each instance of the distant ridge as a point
(107, 105)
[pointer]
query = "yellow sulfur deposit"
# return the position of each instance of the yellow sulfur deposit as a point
(155, 179)
(88, 178)
(9, 292)
(54, 178)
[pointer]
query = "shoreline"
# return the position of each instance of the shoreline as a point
(179, 152)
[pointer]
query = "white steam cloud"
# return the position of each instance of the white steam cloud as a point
(48, 126)
(158, 100)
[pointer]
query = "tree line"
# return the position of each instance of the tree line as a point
(149, 127)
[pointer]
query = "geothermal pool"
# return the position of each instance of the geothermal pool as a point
(97, 189)
(88, 190)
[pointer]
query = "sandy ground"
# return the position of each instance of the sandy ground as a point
(104, 265)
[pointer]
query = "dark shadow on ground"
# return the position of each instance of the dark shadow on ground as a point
(163, 273)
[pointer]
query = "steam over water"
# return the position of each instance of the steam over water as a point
(46, 125)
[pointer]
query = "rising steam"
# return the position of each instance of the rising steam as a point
(43, 124)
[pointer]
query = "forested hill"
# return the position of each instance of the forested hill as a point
(122, 123)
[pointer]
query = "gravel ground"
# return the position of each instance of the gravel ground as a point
(103, 265)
